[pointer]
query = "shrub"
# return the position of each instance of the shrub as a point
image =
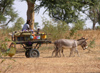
(79, 25)
(73, 31)
(56, 29)
(98, 27)
(3, 46)
(92, 43)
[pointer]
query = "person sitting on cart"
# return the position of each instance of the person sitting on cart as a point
(38, 31)
(26, 26)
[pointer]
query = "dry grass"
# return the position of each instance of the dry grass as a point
(86, 63)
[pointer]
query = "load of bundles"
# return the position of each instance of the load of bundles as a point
(29, 36)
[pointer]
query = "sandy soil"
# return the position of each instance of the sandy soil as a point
(86, 63)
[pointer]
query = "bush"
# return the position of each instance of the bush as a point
(79, 25)
(3, 46)
(73, 31)
(56, 29)
(92, 43)
(98, 27)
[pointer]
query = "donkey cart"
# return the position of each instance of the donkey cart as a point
(31, 42)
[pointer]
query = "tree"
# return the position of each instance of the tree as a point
(18, 24)
(58, 9)
(7, 13)
(30, 11)
(93, 12)
(56, 28)
(65, 10)
(79, 25)
(93, 16)
(36, 25)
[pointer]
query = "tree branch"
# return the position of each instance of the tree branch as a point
(6, 23)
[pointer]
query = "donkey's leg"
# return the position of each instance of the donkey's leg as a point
(76, 51)
(71, 51)
(62, 51)
(56, 54)
(57, 51)
(53, 52)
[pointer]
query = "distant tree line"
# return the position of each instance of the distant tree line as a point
(65, 10)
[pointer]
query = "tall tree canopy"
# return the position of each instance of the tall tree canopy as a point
(7, 13)
(93, 12)
(65, 10)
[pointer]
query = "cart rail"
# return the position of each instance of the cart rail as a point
(34, 41)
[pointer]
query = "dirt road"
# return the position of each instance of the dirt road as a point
(87, 62)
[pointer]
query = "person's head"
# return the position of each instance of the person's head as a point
(28, 22)
(38, 29)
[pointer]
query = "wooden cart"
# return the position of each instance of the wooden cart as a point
(31, 45)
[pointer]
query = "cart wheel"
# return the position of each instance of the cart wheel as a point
(34, 53)
(27, 53)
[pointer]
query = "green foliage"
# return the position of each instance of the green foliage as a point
(79, 25)
(3, 46)
(7, 13)
(98, 27)
(65, 10)
(92, 43)
(36, 25)
(56, 29)
(73, 31)
(20, 21)
(18, 25)
(69, 10)
(93, 11)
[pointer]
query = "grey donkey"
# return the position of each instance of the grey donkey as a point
(72, 44)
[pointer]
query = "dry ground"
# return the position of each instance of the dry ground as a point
(86, 63)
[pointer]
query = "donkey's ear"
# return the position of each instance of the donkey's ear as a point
(82, 37)
(86, 39)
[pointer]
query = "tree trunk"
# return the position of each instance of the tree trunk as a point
(93, 26)
(30, 13)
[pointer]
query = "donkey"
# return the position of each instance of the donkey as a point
(72, 44)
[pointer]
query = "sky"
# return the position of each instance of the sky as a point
(21, 7)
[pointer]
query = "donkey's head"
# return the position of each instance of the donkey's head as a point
(83, 43)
